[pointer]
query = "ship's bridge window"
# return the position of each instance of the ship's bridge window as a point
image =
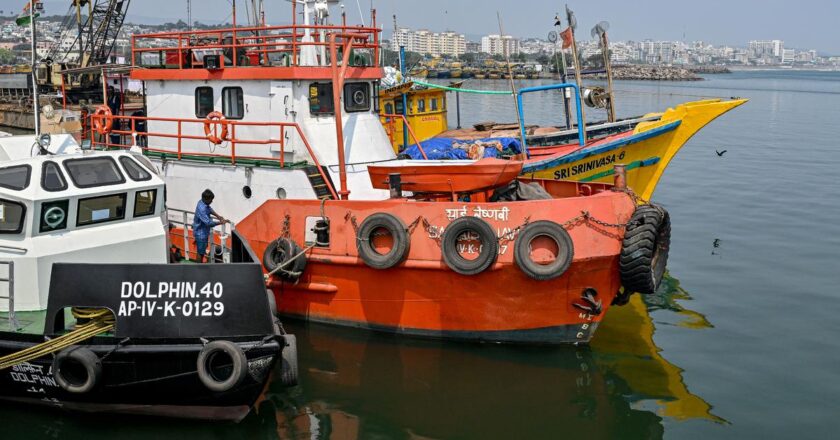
(434, 104)
(321, 99)
(357, 97)
(421, 106)
(400, 108)
(99, 171)
(51, 177)
(101, 209)
(233, 103)
(15, 178)
(134, 170)
(12, 215)
(389, 108)
(144, 202)
(203, 102)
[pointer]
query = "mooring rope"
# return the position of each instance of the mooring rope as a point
(101, 321)
(455, 89)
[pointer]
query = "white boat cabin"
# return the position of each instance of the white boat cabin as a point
(79, 206)
(266, 95)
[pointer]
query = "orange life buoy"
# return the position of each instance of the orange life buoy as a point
(102, 120)
(216, 128)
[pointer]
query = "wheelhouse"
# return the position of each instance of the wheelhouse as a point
(76, 207)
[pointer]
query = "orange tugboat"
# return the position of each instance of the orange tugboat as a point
(482, 264)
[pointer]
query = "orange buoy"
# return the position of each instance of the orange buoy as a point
(102, 120)
(216, 127)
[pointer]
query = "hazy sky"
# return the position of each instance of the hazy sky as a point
(803, 24)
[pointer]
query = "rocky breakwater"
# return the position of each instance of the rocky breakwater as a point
(654, 73)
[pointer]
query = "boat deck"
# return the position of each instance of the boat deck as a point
(30, 322)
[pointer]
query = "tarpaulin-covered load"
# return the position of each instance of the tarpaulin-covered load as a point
(448, 148)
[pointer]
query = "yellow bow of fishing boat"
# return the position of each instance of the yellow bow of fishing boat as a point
(647, 149)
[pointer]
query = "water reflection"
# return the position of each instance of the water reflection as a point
(360, 385)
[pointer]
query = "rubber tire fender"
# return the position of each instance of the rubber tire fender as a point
(522, 250)
(397, 229)
(488, 252)
(289, 362)
(84, 356)
(239, 368)
(279, 252)
(644, 251)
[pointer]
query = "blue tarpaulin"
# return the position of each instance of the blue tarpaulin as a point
(441, 148)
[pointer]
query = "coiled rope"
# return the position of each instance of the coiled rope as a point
(100, 321)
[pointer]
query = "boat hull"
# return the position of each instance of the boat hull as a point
(140, 378)
(422, 296)
(647, 150)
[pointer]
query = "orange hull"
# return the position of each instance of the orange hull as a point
(434, 178)
(421, 296)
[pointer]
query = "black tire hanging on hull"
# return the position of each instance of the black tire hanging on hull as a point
(221, 355)
(280, 252)
(553, 231)
(401, 241)
(77, 370)
(289, 362)
(488, 251)
(644, 252)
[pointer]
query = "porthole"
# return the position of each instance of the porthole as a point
(281, 193)
(246, 191)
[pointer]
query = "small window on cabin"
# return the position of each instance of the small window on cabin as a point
(410, 106)
(434, 104)
(144, 202)
(400, 109)
(52, 178)
(389, 109)
(203, 102)
(54, 215)
(15, 178)
(12, 215)
(134, 170)
(443, 100)
(101, 209)
(89, 173)
(357, 97)
(321, 99)
(421, 106)
(233, 102)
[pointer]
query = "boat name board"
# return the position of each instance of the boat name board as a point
(499, 214)
(171, 298)
(585, 167)
(165, 301)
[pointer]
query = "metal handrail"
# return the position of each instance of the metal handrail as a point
(223, 234)
(521, 110)
(13, 322)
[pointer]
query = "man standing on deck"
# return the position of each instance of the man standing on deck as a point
(203, 223)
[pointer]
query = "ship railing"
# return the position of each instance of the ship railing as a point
(133, 131)
(390, 120)
(14, 325)
(278, 46)
(180, 223)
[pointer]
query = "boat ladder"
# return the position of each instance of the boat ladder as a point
(14, 325)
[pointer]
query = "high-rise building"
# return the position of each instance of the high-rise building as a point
(426, 42)
(766, 48)
(495, 44)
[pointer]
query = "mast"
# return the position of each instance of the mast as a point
(79, 26)
(572, 25)
(608, 67)
(510, 77)
(36, 110)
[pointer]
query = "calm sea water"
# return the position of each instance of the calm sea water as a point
(742, 341)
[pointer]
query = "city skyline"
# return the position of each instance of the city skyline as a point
(718, 22)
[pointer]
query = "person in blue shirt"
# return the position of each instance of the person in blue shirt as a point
(203, 223)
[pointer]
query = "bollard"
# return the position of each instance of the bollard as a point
(620, 176)
(395, 183)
